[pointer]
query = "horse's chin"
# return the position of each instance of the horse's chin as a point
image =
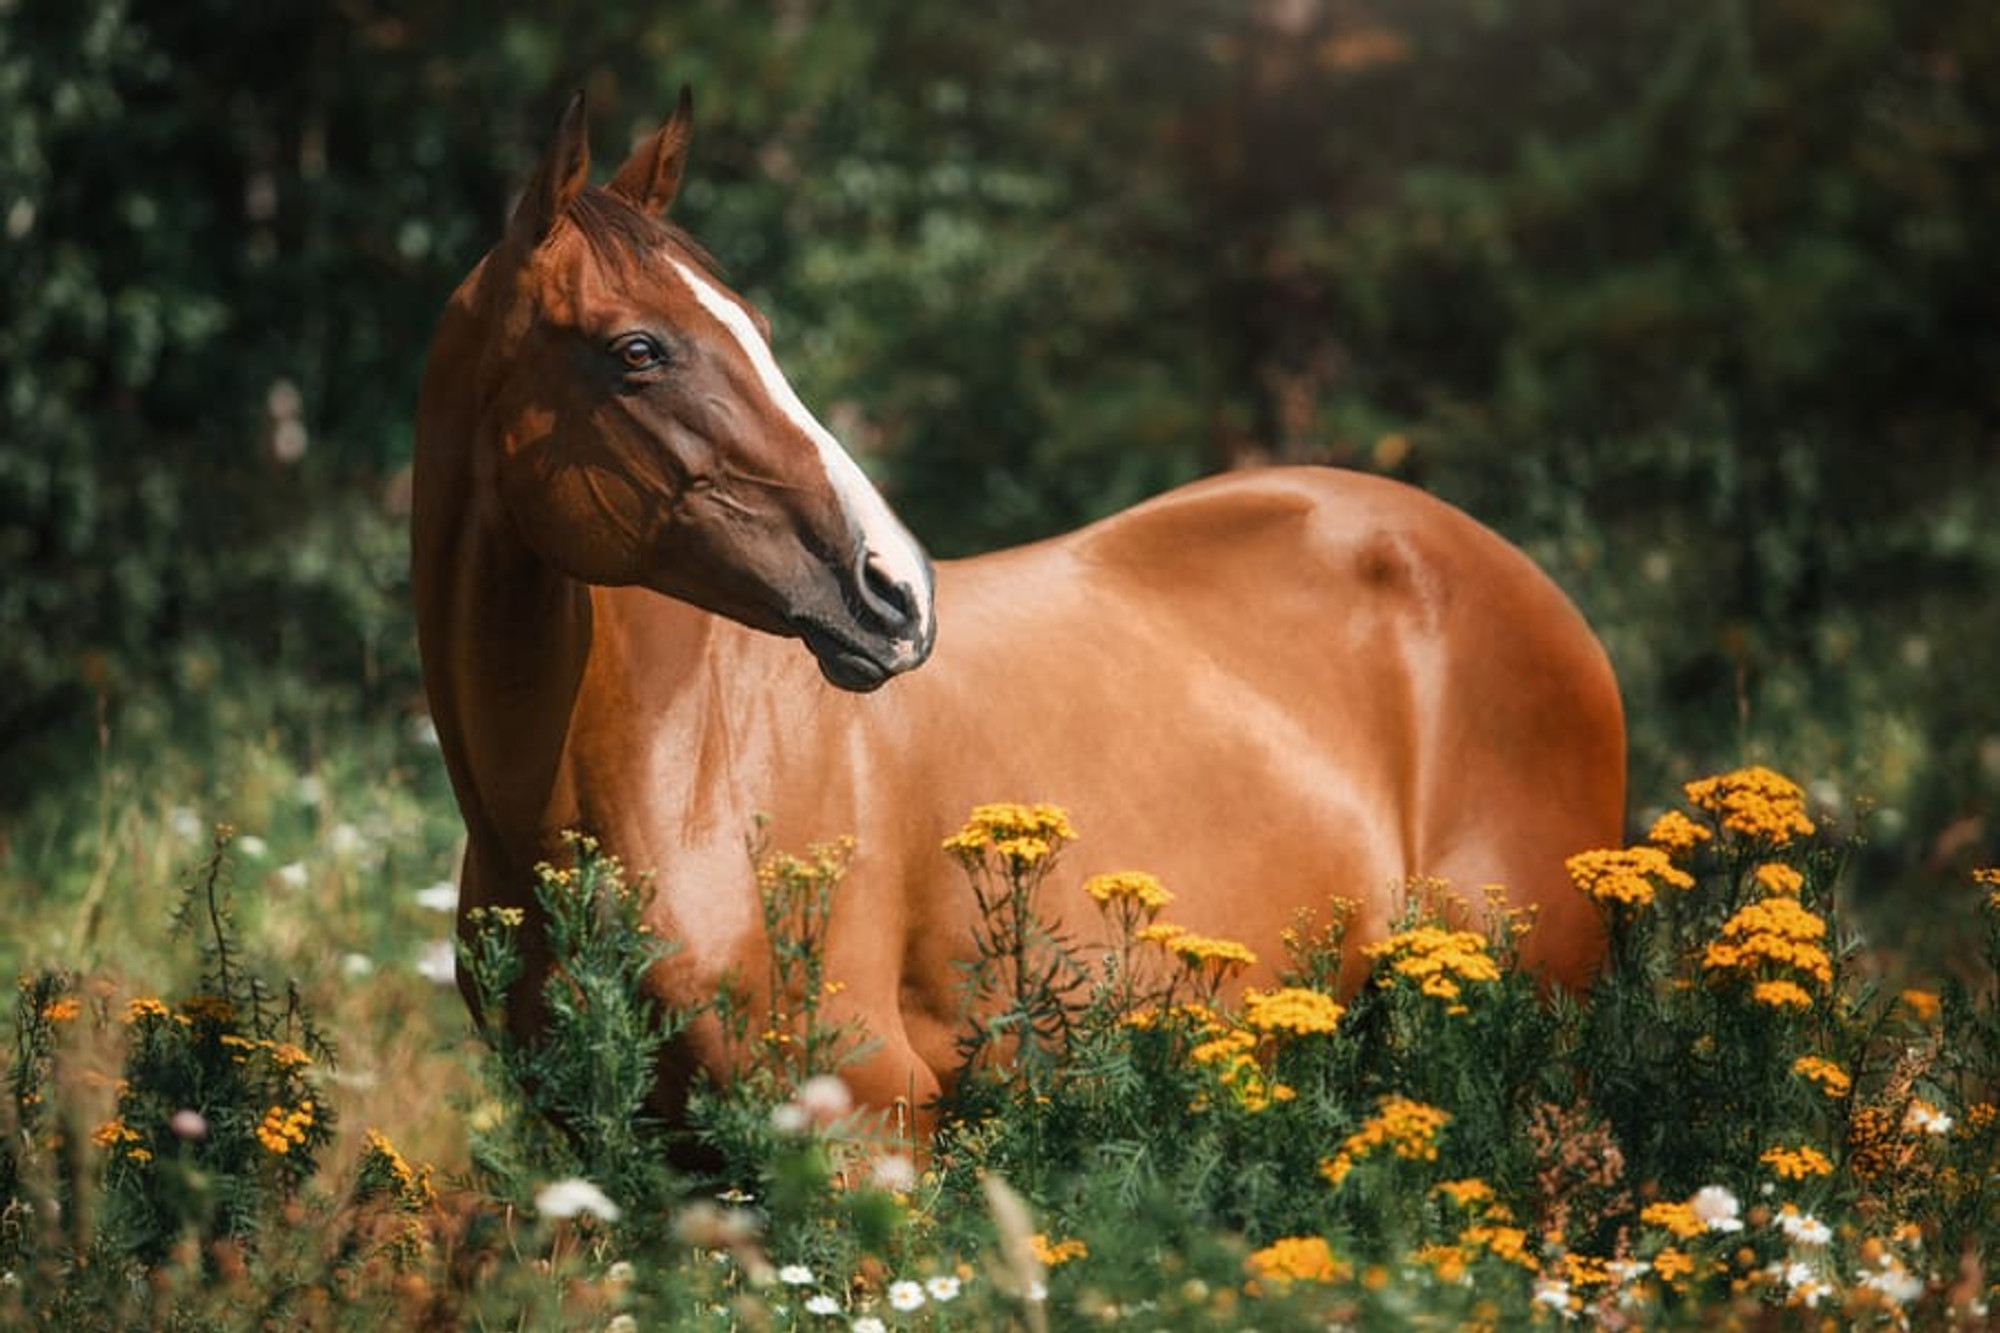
(853, 672)
(862, 669)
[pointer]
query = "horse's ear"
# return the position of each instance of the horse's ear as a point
(564, 171)
(652, 175)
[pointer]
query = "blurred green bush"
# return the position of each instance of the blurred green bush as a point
(1694, 300)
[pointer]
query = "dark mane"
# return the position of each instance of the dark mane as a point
(625, 237)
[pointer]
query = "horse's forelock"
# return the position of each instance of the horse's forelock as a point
(627, 238)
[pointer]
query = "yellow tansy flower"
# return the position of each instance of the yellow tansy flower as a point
(1022, 835)
(1672, 1265)
(1781, 995)
(1628, 877)
(1772, 935)
(1675, 1218)
(1297, 1259)
(1502, 1242)
(1051, 1253)
(1198, 949)
(1407, 1128)
(1755, 802)
(1474, 1196)
(1778, 878)
(1291, 1010)
(1830, 1077)
(1675, 832)
(1438, 960)
(1798, 1163)
(280, 1130)
(1134, 886)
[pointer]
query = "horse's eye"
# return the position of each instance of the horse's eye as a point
(639, 351)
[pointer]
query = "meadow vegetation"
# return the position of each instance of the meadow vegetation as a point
(261, 1109)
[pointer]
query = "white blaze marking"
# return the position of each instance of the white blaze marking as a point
(888, 542)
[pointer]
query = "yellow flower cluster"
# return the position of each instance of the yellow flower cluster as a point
(1129, 886)
(116, 1134)
(1629, 877)
(1231, 1053)
(1437, 960)
(1023, 836)
(1755, 802)
(61, 1010)
(1297, 1259)
(1781, 994)
(1291, 1010)
(410, 1188)
(1830, 1077)
(146, 1007)
(1675, 832)
(1208, 961)
(284, 1054)
(1989, 877)
(1509, 1244)
(1051, 1253)
(1798, 1163)
(1676, 1218)
(1474, 1196)
(287, 1056)
(1673, 1265)
(280, 1130)
(1199, 951)
(1407, 1128)
(1778, 879)
(1773, 934)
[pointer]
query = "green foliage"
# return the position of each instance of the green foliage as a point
(219, 1119)
(1734, 1127)
(217, 1114)
(587, 1055)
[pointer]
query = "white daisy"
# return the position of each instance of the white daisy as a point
(568, 1198)
(1718, 1208)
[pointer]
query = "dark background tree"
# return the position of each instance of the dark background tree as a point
(1694, 300)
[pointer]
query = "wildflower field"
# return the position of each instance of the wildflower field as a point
(238, 1095)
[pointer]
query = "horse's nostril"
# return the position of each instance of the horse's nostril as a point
(893, 602)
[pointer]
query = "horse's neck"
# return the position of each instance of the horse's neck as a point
(505, 638)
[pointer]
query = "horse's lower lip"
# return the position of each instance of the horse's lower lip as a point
(845, 665)
(852, 672)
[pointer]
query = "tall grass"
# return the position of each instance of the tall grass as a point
(1740, 1124)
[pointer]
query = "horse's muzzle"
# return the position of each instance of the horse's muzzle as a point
(891, 628)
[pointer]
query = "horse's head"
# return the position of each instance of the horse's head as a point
(648, 437)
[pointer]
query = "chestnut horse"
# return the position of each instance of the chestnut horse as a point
(1268, 688)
